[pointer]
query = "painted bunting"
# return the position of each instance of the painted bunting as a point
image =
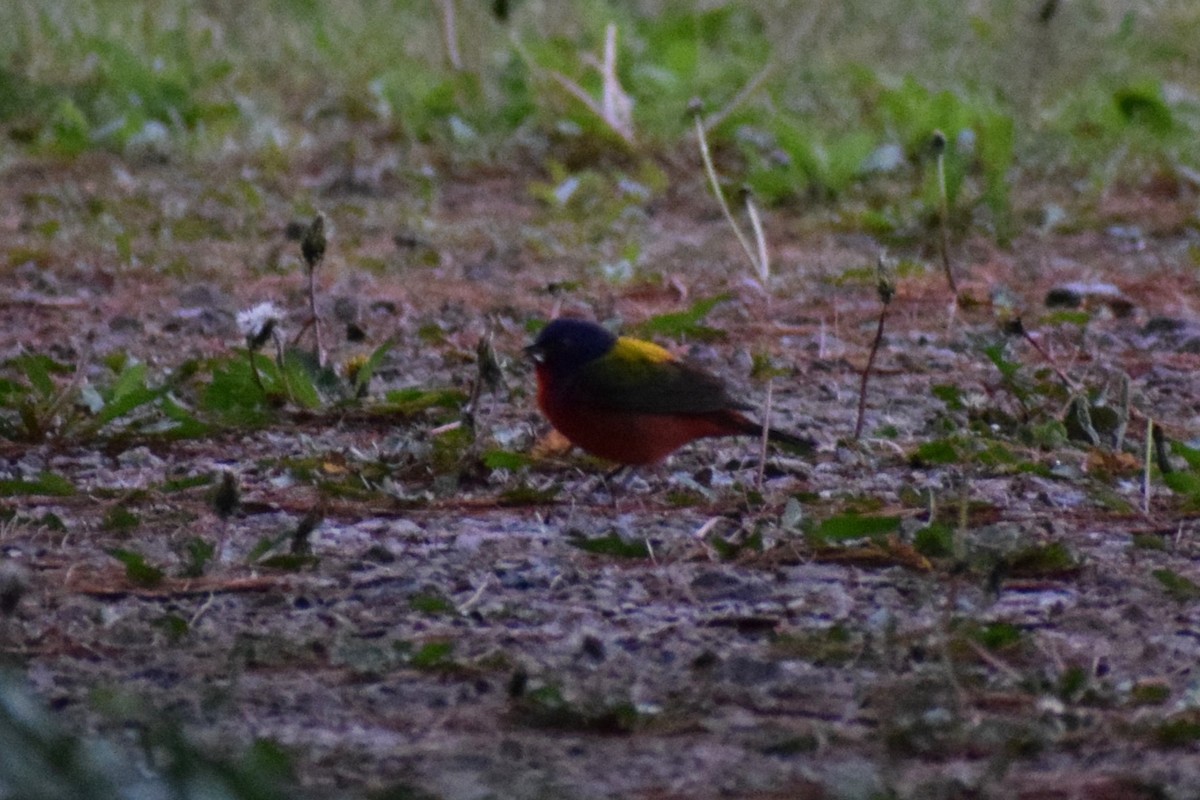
(631, 401)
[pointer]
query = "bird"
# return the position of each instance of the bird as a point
(630, 401)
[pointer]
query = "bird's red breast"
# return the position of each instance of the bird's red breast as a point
(631, 437)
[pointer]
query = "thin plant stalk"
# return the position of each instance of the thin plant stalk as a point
(258, 381)
(1160, 449)
(68, 393)
(711, 171)
(312, 309)
(741, 97)
(764, 275)
(886, 291)
(615, 106)
(450, 32)
(939, 149)
(759, 260)
(1149, 455)
(312, 248)
(763, 264)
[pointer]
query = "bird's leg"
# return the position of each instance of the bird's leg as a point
(614, 472)
(604, 482)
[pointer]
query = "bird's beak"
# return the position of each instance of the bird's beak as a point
(536, 353)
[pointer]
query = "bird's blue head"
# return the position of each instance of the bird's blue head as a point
(567, 344)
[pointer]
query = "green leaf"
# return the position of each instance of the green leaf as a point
(949, 394)
(199, 553)
(1068, 317)
(174, 626)
(854, 526)
(69, 128)
(185, 483)
(46, 483)
(998, 635)
(302, 375)
(119, 407)
(38, 370)
(1183, 483)
(1149, 693)
(1143, 104)
(137, 570)
(937, 452)
(610, 544)
(935, 541)
(1189, 454)
(1071, 683)
(432, 655)
(506, 459)
(120, 519)
(187, 426)
(526, 495)
(432, 604)
(1177, 586)
(995, 353)
(362, 378)
(234, 395)
(131, 378)
(683, 324)
(265, 545)
(1049, 560)
(408, 402)
(1181, 731)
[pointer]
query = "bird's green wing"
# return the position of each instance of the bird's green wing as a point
(641, 377)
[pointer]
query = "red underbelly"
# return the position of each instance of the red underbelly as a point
(630, 438)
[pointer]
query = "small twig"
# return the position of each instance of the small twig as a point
(582, 96)
(618, 108)
(887, 290)
(1146, 486)
(312, 247)
(964, 510)
(701, 534)
(764, 276)
(615, 106)
(760, 261)
(489, 374)
(258, 381)
(742, 96)
(471, 601)
(1160, 450)
(1062, 376)
(994, 662)
(696, 108)
(449, 426)
(763, 263)
(766, 434)
(67, 393)
(1125, 405)
(204, 607)
(939, 151)
(450, 32)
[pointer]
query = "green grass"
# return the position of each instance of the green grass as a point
(811, 100)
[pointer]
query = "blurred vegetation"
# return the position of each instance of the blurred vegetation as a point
(812, 100)
(41, 760)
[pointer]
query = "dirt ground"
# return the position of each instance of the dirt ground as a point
(453, 641)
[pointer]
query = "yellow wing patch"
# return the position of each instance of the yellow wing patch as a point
(628, 349)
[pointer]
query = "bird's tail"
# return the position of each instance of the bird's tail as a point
(801, 445)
